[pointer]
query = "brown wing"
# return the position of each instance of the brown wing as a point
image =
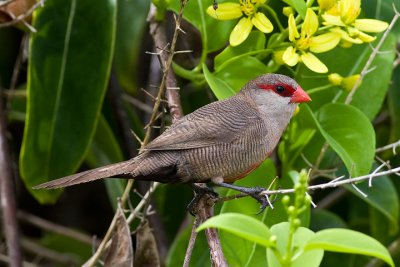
(218, 122)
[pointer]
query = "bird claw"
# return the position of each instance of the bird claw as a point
(200, 192)
(253, 192)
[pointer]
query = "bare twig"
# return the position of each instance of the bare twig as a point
(6, 260)
(374, 53)
(140, 105)
(205, 210)
(4, 3)
(47, 253)
(8, 206)
(336, 183)
(56, 228)
(192, 241)
(129, 185)
(392, 146)
(23, 16)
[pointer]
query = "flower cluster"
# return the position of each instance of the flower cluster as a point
(342, 16)
(336, 24)
(247, 10)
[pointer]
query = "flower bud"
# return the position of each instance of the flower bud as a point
(335, 79)
(287, 11)
(285, 200)
(349, 82)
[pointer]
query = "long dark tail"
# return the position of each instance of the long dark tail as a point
(121, 168)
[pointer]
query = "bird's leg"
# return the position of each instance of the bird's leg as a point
(254, 192)
(200, 191)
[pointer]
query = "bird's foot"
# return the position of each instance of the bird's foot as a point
(253, 192)
(200, 191)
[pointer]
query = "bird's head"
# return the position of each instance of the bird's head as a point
(276, 96)
(278, 88)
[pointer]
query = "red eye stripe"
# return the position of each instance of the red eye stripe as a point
(288, 90)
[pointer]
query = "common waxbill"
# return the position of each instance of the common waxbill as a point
(220, 142)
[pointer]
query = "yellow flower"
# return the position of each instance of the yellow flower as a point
(343, 14)
(247, 11)
(305, 42)
(346, 83)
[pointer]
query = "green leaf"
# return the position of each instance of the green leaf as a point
(241, 225)
(299, 5)
(177, 252)
(220, 88)
(323, 219)
(387, 203)
(250, 253)
(348, 241)
(103, 150)
(255, 41)
(349, 132)
(370, 96)
(238, 72)
(131, 23)
(67, 78)
(300, 237)
(376, 83)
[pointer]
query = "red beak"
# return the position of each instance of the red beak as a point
(299, 96)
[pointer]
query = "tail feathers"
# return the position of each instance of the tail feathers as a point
(121, 168)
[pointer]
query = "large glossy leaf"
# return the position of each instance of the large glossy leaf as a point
(200, 255)
(255, 41)
(240, 71)
(250, 253)
(67, 76)
(240, 225)
(387, 203)
(349, 132)
(348, 241)
(131, 23)
(103, 150)
(219, 87)
(370, 95)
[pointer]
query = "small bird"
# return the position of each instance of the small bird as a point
(220, 142)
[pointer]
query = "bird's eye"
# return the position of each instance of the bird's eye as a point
(279, 89)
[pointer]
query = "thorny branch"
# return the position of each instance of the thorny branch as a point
(165, 82)
(22, 17)
(157, 30)
(374, 53)
(7, 197)
(392, 146)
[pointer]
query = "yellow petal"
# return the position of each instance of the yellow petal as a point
(324, 42)
(332, 20)
(365, 37)
(346, 37)
(225, 11)
(349, 82)
(293, 32)
(262, 22)
(287, 11)
(326, 4)
(290, 56)
(313, 63)
(241, 31)
(370, 25)
(277, 56)
(335, 79)
(349, 10)
(310, 25)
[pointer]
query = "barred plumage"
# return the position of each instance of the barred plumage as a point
(225, 139)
